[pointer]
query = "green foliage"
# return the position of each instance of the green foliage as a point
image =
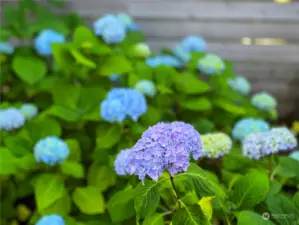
(68, 88)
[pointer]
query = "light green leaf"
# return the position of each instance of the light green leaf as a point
(101, 176)
(8, 163)
(156, 219)
(108, 135)
(197, 178)
(29, 69)
(63, 113)
(147, 198)
(115, 64)
(75, 152)
(250, 190)
(229, 106)
(252, 218)
(190, 84)
(81, 59)
(296, 200)
(190, 215)
(197, 104)
(289, 164)
(66, 94)
(63, 58)
(275, 188)
(27, 162)
(89, 200)
(48, 188)
(121, 205)
(62, 206)
(73, 169)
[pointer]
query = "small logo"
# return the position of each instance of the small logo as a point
(266, 216)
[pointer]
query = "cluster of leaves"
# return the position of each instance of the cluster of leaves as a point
(68, 89)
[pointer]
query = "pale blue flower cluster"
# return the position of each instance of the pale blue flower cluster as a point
(52, 219)
(194, 44)
(239, 84)
(147, 87)
(247, 126)
(264, 101)
(114, 77)
(211, 65)
(11, 119)
(123, 102)
(215, 145)
(258, 145)
(29, 111)
(294, 155)
(51, 150)
(165, 146)
(45, 39)
(113, 28)
(165, 60)
(142, 50)
(181, 54)
(6, 48)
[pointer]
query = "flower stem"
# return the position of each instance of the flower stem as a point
(175, 191)
(270, 165)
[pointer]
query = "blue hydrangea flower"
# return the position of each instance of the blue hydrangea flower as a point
(44, 40)
(239, 84)
(258, 145)
(29, 111)
(133, 27)
(52, 219)
(102, 23)
(215, 145)
(142, 50)
(181, 54)
(51, 150)
(123, 102)
(11, 119)
(194, 44)
(114, 33)
(211, 64)
(114, 77)
(264, 101)
(6, 48)
(125, 19)
(121, 162)
(147, 87)
(165, 60)
(249, 125)
(294, 155)
(165, 146)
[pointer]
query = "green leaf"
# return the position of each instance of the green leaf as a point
(229, 106)
(29, 69)
(156, 219)
(282, 209)
(63, 58)
(189, 84)
(101, 176)
(90, 98)
(63, 113)
(147, 198)
(190, 215)
(250, 190)
(200, 180)
(296, 200)
(61, 207)
(66, 94)
(197, 104)
(275, 188)
(252, 218)
(108, 135)
(8, 163)
(289, 164)
(152, 115)
(27, 162)
(81, 59)
(115, 64)
(48, 188)
(73, 169)
(18, 145)
(121, 205)
(89, 200)
(75, 152)
(37, 129)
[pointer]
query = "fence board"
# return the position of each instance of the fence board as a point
(215, 10)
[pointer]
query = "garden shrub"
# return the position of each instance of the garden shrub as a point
(91, 132)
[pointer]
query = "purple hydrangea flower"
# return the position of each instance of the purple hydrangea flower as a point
(120, 164)
(165, 146)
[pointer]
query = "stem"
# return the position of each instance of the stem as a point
(270, 165)
(175, 191)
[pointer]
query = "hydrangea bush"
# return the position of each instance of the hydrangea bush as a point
(97, 129)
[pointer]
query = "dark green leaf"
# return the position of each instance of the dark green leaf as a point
(156, 219)
(75, 152)
(8, 163)
(289, 164)
(63, 113)
(29, 69)
(100, 176)
(108, 135)
(66, 94)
